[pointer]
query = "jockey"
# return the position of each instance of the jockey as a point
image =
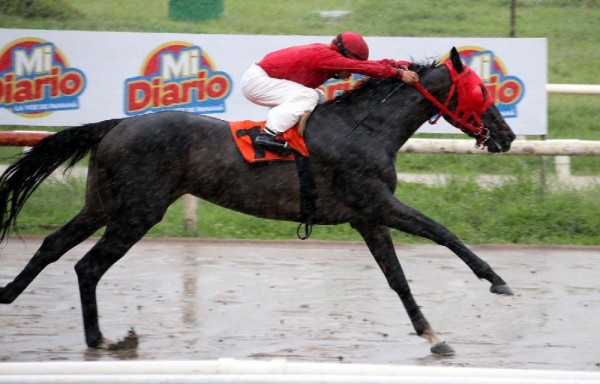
(286, 80)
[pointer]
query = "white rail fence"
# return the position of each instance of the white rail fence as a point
(582, 89)
(274, 372)
(561, 150)
(518, 147)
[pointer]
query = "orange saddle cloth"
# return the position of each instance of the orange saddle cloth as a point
(244, 132)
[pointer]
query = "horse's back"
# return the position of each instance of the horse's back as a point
(168, 154)
(163, 129)
(156, 149)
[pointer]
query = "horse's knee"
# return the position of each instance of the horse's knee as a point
(82, 269)
(87, 273)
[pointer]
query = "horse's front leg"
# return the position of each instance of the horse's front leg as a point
(406, 219)
(380, 244)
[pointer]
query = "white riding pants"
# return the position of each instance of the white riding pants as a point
(288, 100)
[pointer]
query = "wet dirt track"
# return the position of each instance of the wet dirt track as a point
(312, 301)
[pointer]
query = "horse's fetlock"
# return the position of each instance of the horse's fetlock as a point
(487, 273)
(96, 341)
(5, 296)
(421, 327)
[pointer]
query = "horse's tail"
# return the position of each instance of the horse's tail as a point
(23, 177)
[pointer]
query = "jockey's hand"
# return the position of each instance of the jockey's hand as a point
(403, 64)
(409, 77)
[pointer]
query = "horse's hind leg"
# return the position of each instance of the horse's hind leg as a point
(53, 247)
(120, 235)
(379, 241)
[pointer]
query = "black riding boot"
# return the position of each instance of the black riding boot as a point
(267, 139)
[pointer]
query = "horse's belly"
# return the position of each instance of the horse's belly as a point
(266, 190)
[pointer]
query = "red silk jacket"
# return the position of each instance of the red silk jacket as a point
(311, 65)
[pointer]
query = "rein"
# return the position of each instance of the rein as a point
(390, 94)
(480, 131)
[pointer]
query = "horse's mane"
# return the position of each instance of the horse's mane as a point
(363, 87)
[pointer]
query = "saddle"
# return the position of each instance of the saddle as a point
(244, 133)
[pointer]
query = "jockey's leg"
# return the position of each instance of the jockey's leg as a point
(285, 115)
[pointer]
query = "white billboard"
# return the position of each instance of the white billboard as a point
(64, 78)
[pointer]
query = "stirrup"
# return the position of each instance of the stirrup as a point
(268, 142)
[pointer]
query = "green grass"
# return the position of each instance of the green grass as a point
(475, 214)
(514, 213)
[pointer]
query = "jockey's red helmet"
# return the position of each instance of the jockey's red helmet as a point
(352, 45)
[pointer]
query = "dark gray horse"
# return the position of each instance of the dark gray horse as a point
(141, 165)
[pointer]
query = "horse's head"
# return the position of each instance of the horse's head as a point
(471, 108)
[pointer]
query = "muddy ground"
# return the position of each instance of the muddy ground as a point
(312, 301)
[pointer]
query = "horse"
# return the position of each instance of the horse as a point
(140, 165)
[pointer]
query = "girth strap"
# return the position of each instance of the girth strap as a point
(308, 195)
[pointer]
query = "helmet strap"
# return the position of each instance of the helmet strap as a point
(339, 43)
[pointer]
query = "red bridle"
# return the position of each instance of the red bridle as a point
(473, 100)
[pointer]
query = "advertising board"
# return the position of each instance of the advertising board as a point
(65, 78)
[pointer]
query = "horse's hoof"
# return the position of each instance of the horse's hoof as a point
(128, 343)
(501, 289)
(5, 297)
(442, 349)
(104, 344)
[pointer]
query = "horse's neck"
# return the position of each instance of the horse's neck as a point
(384, 117)
(414, 108)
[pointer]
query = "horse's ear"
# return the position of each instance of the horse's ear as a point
(456, 61)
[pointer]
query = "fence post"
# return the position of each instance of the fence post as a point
(190, 215)
(563, 168)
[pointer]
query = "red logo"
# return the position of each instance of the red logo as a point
(36, 79)
(177, 76)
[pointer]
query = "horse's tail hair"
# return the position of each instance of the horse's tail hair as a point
(23, 177)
